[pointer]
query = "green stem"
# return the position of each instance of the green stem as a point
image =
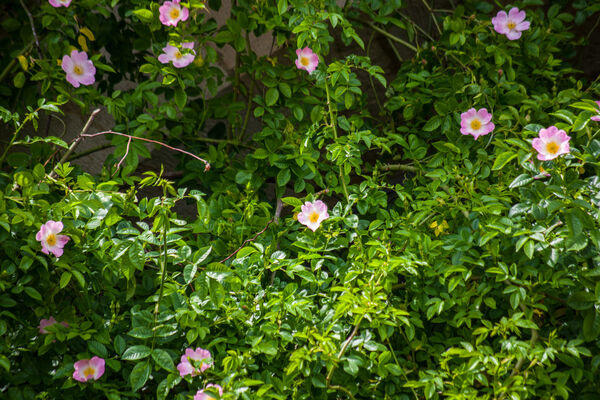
(432, 16)
(333, 122)
(163, 266)
(12, 140)
(387, 34)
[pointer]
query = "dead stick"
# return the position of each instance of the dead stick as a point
(76, 141)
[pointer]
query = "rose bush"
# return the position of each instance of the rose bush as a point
(424, 231)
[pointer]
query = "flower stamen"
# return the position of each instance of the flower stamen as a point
(51, 239)
(313, 217)
(475, 124)
(552, 147)
(174, 14)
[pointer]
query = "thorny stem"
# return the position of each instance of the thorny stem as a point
(340, 354)
(89, 151)
(35, 37)
(334, 129)
(249, 240)
(77, 140)
(124, 156)
(432, 16)
(206, 163)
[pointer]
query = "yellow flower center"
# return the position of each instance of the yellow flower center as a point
(304, 61)
(313, 217)
(178, 54)
(51, 239)
(552, 148)
(89, 371)
(174, 13)
(475, 124)
(78, 70)
(511, 25)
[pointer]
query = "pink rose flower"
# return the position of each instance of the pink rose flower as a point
(52, 242)
(313, 214)
(307, 60)
(60, 3)
(512, 24)
(44, 323)
(171, 13)
(89, 369)
(179, 59)
(78, 68)
(551, 143)
(201, 356)
(596, 118)
(206, 396)
(476, 122)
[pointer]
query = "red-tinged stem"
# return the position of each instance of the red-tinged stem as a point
(206, 163)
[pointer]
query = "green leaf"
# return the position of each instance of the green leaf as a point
(65, 278)
(97, 348)
(19, 80)
(520, 180)
(4, 363)
(292, 201)
(433, 123)
(163, 359)
(143, 14)
(591, 326)
(189, 272)
(180, 98)
(147, 68)
(137, 255)
(574, 224)
(581, 300)
(503, 159)
(282, 6)
(284, 176)
(285, 89)
(33, 293)
(139, 376)
(271, 96)
(136, 352)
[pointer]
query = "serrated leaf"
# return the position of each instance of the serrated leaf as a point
(136, 352)
(163, 359)
(65, 278)
(502, 159)
(284, 176)
(292, 201)
(139, 375)
(180, 98)
(271, 96)
(520, 180)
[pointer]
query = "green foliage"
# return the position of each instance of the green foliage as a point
(448, 267)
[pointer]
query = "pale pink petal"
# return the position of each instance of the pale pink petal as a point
(184, 367)
(523, 26)
(184, 13)
(163, 58)
(62, 240)
(98, 364)
(513, 34)
(548, 133)
(515, 15)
